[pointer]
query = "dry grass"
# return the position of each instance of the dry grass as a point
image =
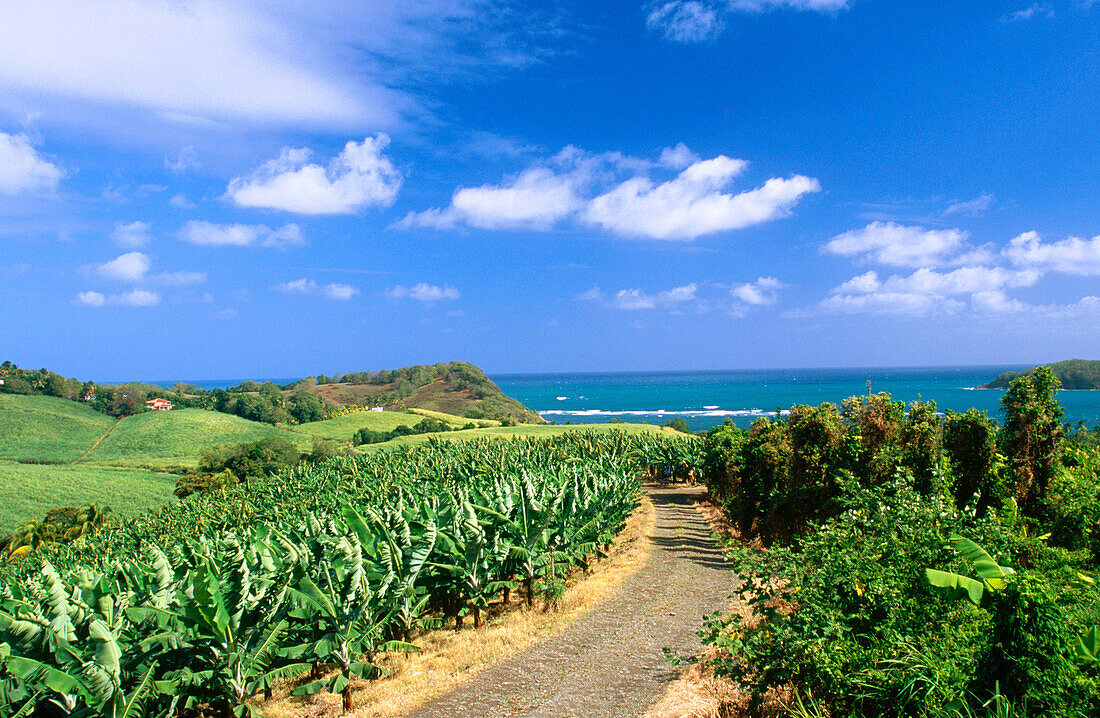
(698, 693)
(448, 658)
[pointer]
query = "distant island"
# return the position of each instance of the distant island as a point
(1073, 373)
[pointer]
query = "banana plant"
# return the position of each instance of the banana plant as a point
(991, 575)
(470, 557)
(345, 619)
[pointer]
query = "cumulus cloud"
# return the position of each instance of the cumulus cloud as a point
(588, 189)
(899, 245)
(1072, 255)
(360, 176)
(335, 292)
(22, 169)
(129, 267)
(91, 299)
(133, 298)
(208, 234)
(423, 292)
(927, 291)
(971, 207)
(685, 21)
(636, 299)
(765, 290)
(132, 234)
(180, 200)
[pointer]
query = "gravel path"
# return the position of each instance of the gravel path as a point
(610, 663)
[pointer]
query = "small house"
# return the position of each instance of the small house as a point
(375, 408)
(158, 405)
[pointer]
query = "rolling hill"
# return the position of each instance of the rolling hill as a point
(343, 428)
(1073, 373)
(48, 430)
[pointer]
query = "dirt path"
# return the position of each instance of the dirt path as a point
(97, 442)
(610, 663)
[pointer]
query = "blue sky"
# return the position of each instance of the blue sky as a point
(192, 189)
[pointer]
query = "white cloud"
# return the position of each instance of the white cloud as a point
(899, 245)
(423, 292)
(698, 21)
(133, 298)
(765, 290)
(690, 205)
(335, 292)
(693, 204)
(199, 59)
(595, 294)
(358, 177)
(298, 286)
(22, 169)
(1031, 11)
(180, 200)
(129, 267)
(208, 234)
(535, 199)
(184, 161)
(636, 299)
(340, 292)
(132, 234)
(971, 207)
(1072, 255)
(927, 291)
(685, 21)
(91, 299)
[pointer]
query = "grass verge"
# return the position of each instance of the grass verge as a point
(448, 658)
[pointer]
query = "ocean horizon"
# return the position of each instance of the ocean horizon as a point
(706, 398)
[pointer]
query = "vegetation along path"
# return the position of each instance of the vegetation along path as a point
(611, 662)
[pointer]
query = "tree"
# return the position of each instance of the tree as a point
(1032, 435)
(305, 407)
(679, 425)
(970, 442)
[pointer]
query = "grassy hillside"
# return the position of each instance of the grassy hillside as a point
(452, 420)
(28, 491)
(343, 428)
(457, 388)
(179, 437)
(526, 430)
(1073, 373)
(46, 429)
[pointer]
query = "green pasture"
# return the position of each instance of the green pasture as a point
(162, 439)
(46, 429)
(28, 491)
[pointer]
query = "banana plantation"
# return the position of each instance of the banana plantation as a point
(306, 578)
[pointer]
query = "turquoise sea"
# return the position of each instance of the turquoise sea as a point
(707, 398)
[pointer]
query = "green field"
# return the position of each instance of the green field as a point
(343, 428)
(529, 430)
(454, 421)
(28, 491)
(162, 439)
(47, 430)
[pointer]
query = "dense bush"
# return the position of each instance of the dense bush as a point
(856, 505)
(426, 425)
(251, 460)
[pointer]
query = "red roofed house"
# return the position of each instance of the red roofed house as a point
(158, 405)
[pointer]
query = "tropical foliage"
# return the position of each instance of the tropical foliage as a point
(218, 597)
(909, 564)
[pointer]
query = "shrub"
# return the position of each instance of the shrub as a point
(251, 460)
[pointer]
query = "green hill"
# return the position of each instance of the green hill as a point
(343, 428)
(1073, 373)
(177, 438)
(455, 388)
(45, 429)
(28, 491)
